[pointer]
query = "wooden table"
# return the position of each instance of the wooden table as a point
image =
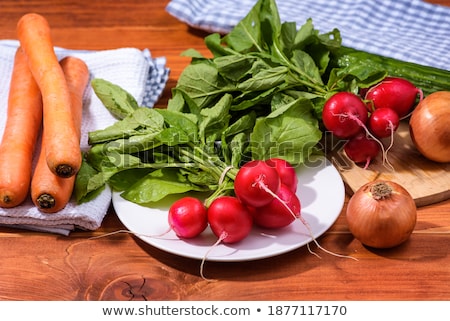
(39, 266)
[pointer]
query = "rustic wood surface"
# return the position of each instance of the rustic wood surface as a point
(428, 182)
(39, 266)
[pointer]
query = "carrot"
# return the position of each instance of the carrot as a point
(49, 192)
(59, 133)
(23, 123)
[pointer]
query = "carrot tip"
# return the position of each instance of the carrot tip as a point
(64, 171)
(46, 201)
(6, 199)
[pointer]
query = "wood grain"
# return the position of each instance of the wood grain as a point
(38, 266)
(428, 182)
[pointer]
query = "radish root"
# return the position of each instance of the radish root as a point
(384, 151)
(130, 232)
(202, 264)
(306, 224)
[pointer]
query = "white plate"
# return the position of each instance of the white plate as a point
(321, 192)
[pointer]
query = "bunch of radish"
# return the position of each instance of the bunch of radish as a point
(363, 120)
(265, 195)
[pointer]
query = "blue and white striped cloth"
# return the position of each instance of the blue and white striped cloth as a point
(409, 30)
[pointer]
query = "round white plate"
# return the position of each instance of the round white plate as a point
(321, 192)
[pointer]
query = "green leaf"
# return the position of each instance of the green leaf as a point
(359, 74)
(264, 79)
(118, 101)
(88, 183)
(233, 135)
(214, 43)
(234, 67)
(182, 102)
(202, 83)
(126, 178)
(304, 35)
(238, 145)
(215, 120)
(173, 136)
(251, 99)
(304, 61)
(246, 35)
(186, 123)
(244, 123)
(157, 185)
(287, 38)
(290, 135)
(192, 53)
(142, 121)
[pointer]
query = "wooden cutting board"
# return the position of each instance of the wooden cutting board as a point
(428, 182)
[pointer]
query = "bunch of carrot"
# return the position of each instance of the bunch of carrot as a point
(44, 93)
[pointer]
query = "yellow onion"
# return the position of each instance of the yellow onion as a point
(381, 214)
(429, 126)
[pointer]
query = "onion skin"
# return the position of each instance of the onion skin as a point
(429, 127)
(385, 222)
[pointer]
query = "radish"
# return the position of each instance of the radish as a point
(229, 219)
(278, 215)
(396, 93)
(256, 182)
(286, 171)
(188, 217)
(383, 122)
(362, 149)
(344, 114)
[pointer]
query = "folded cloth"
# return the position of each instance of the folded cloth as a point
(134, 70)
(409, 30)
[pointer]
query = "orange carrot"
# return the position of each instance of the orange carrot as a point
(59, 133)
(23, 123)
(49, 192)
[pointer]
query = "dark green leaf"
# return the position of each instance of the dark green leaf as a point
(234, 67)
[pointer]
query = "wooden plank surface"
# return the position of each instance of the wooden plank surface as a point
(39, 266)
(428, 182)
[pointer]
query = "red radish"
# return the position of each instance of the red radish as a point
(275, 214)
(344, 114)
(383, 122)
(229, 219)
(396, 93)
(188, 217)
(286, 171)
(256, 182)
(362, 149)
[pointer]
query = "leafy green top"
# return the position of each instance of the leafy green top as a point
(260, 96)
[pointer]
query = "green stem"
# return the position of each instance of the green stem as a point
(309, 82)
(215, 162)
(222, 189)
(206, 166)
